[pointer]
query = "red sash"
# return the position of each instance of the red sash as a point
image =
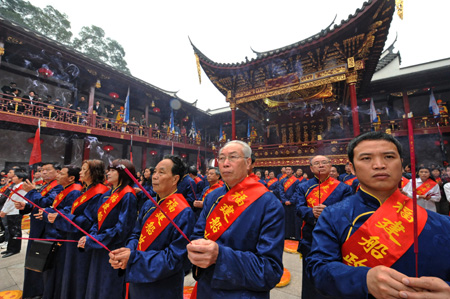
(197, 180)
(300, 178)
(289, 183)
(350, 181)
(405, 182)
(60, 197)
(49, 187)
(282, 177)
(212, 188)
(425, 187)
(110, 203)
(157, 222)
(386, 235)
(231, 206)
(15, 189)
(316, 196)
(269, 183)
(438, 180)
(98, 189)
(5, 187)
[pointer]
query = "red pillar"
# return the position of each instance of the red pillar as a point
(354, 104)
(144, 158)
(406, 102)
(86, 149)
(233, 121)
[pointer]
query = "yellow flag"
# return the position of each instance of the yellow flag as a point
(198, 68)
(399, 6)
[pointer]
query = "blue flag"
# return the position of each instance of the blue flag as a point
(373, 112)
(220, 133)
(127, 107)
(248, 129)
(432, 106)
(172, 122)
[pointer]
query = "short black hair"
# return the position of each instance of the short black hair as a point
(73, 171)
(378, 135)
(178, 168)
(21, 174)
(124, 178)
(253, 158)
(192, 170)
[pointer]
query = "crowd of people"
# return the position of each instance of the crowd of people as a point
(355, 230)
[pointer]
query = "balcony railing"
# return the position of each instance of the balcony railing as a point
(25, 107)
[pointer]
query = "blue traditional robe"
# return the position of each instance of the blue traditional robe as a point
(334, 278)
(53, 276)
(292, 223)
(186, 187)
(33, 284)
(306, 214)
(76, 263)
(103, 280)
(249, 263)
(345, 177)
(158, 272)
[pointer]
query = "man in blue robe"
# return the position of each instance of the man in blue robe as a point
(376, 159)
(186, 187)
(67, 177)
(33, 284)
(286, 189)
(348, 175)
(157, 271)
(245, 260)
(312, 197)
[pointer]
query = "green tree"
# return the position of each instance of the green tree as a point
(48, 21)
(93, 42)
(55, 25)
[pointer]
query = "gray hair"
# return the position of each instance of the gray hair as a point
(246, 150)
(216, 169)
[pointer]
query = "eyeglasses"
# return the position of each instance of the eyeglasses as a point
(317, 163)
(232, 158)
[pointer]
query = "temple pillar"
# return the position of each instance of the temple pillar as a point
(351, 81)
(144, 158)
(233, 121)
(406, 102)
(146, 115)
(91, 99)
(86, 149)
(68, 150)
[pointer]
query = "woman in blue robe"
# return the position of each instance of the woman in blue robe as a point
(76, 263)
(103, 280)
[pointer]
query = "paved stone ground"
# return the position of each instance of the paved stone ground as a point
(11, 274)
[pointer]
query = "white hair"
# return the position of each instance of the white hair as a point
(246, 150)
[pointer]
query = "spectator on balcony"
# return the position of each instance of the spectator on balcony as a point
(82, 105)
(97, 108)
(110, 112)
(143, 121)
(164, 126)
(133, 121)
(9, 89)
(57, 102)
(32, 97)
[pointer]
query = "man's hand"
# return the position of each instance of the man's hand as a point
(20, 205)
(51, 217)
(137, 190)
(317, 210)
(28, 186)
(119, 258)
(384, 282)
(82, 242)
(426, 287)
(2, 214)
(287, 202)
(203, 253)
(38, 216)
(198, 204)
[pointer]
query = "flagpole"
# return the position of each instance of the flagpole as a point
(413, 183)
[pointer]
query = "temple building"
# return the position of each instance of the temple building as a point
(313, 96)
(291, 103)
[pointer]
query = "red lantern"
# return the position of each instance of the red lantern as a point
(153, 153)
(113, 95)
(156, 110)
(45, 72)
(183, 156)
(31, 140)
(108, 148)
